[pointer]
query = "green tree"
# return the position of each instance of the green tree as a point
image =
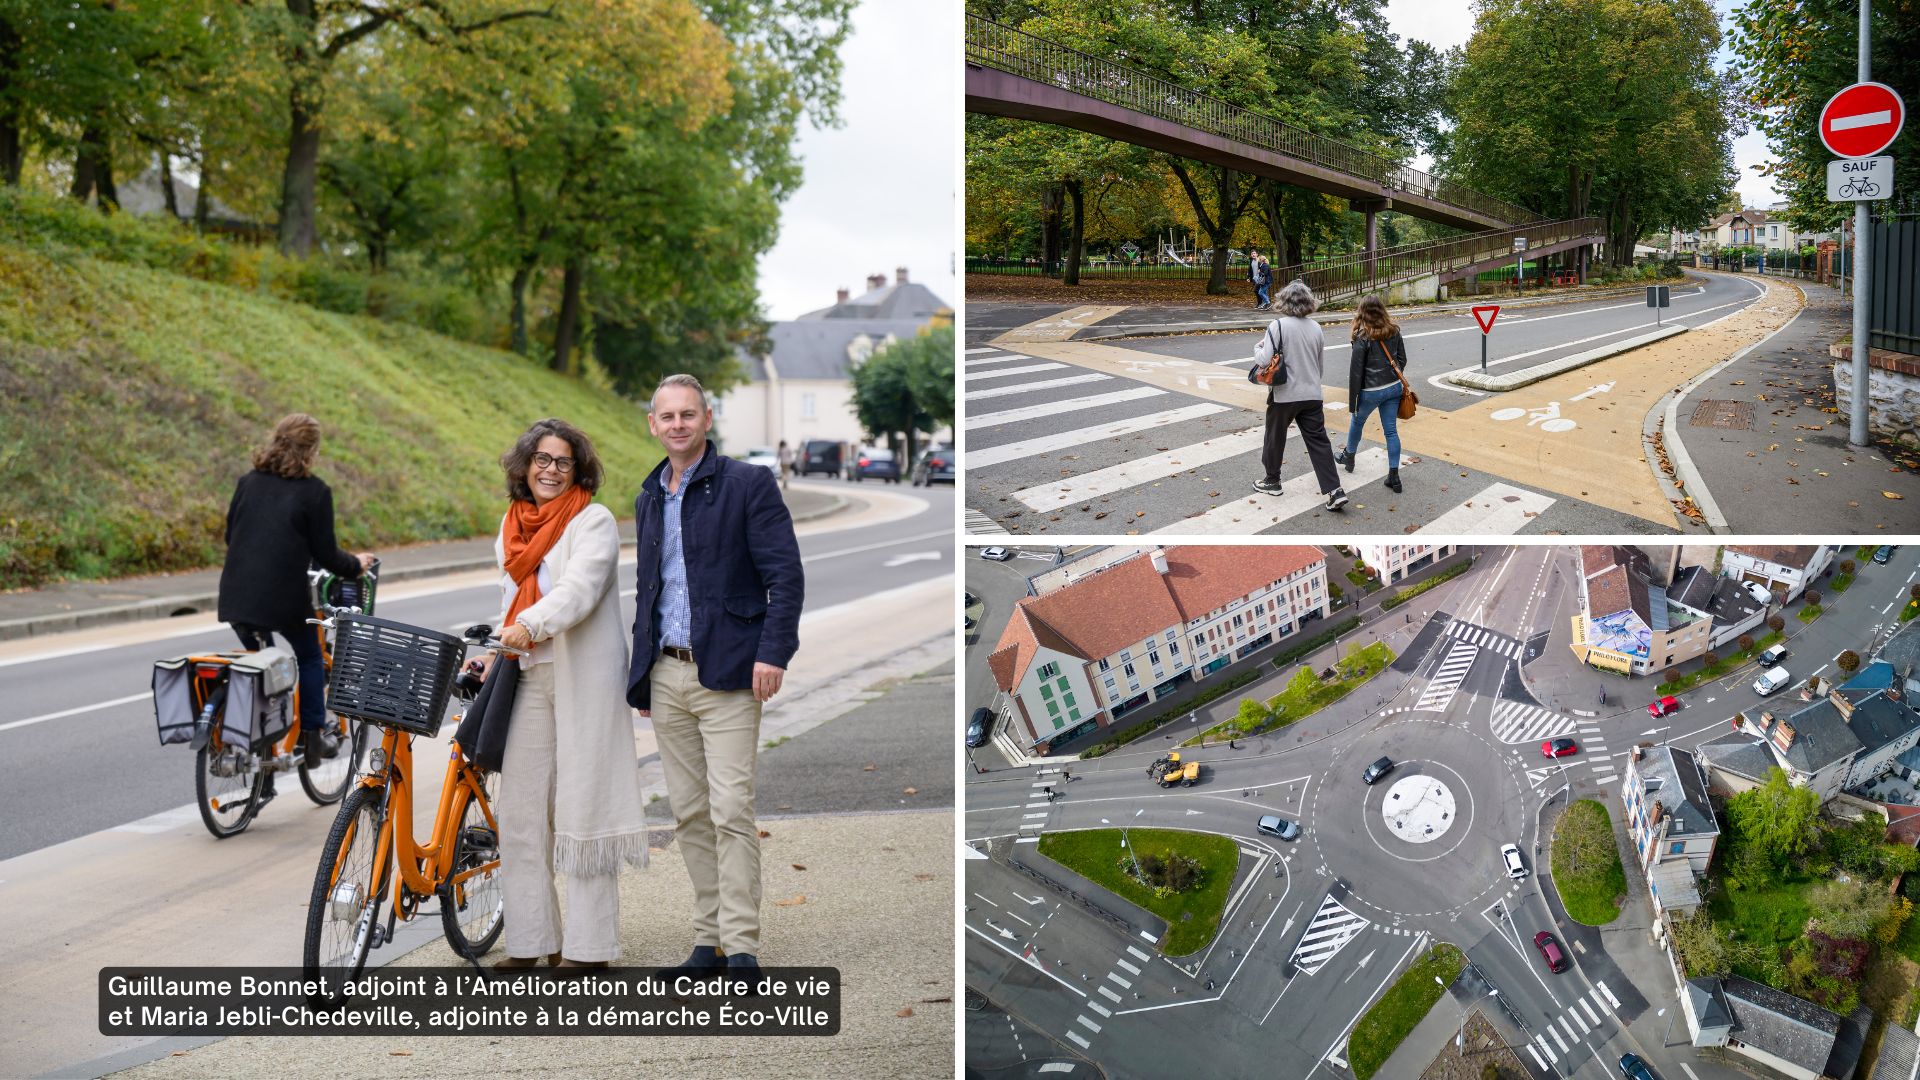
(905, 387)
(1702, 945)
(1847, 909)
(1779, 820)
(1848, 661)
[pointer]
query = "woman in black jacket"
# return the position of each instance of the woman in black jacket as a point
(1374, 383)
(279, 523)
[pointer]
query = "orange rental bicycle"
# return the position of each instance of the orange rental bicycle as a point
(230, 774)
(399, 678)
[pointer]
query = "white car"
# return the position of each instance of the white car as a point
(1510, 855)
(1759, 592)
(1771, 680)
(997, 554)
(764, 456)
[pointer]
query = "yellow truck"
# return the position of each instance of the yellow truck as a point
(1163, 765)
(1187, 775)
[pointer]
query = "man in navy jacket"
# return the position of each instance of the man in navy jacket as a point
(717, 598)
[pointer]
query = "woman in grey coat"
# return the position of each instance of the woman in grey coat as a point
(1298, 399)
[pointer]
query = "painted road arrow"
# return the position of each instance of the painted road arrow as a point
(1005, 933)
(1592, 391)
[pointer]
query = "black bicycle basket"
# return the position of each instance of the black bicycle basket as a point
(392, 674)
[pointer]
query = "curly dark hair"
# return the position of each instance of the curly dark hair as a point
(518, 460)
(290, 453)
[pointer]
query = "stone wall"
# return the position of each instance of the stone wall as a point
(1893, 392)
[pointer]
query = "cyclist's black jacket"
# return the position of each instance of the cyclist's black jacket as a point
(276, 528)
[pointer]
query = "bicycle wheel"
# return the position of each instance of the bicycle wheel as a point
(327, 783)
(471, 904)
(227, 781)
(343, 911)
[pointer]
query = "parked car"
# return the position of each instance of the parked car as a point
(878, 464)
(1278, 826)
(1377, 770)
(818, 456)
(1773, 656)
(977, 727)
(997, 554)
(1510, 855)
(764, 456)
(1771, 680)
(1633, 1067)
(1664, 707)
(1882, 554)
(934, 467)
(972, 599)
(1550, 951)
(1558, 748)
(1760, 593)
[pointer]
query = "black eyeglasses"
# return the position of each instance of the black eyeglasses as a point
(544, 461)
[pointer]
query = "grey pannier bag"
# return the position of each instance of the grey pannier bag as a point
(173, 700)
(259, 696)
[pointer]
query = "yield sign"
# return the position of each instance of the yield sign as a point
(1862, 120)
(1484, 315)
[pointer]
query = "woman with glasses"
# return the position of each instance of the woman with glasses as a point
(569, 783)
(279, 523)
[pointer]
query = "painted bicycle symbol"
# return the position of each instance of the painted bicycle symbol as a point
(1860, 188)
(1548, 418)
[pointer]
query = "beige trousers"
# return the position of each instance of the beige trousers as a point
(525, 810)
(709, 747)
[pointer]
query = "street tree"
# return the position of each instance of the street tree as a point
(1848, 661)
(1776, 622)
(1811, 597)
(900, 390)
(1777, 818)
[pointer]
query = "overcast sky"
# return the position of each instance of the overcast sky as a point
(879, 191)
(1446, 23)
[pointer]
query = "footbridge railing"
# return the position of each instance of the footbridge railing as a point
(1367, 271)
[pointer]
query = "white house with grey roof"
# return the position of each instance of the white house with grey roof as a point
(1788, 1034)
(1847, 739)
(1670, 823)
(802, 389)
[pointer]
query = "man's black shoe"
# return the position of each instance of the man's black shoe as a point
(703, 964)
(321, 747)
(743, 970)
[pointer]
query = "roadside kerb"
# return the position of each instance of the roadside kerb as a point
(1514, 380)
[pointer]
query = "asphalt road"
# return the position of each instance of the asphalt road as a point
(1315, 928)
(102, 766)
(1142, 440)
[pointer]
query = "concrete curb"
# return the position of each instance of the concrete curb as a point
(1514, 380)
(199, 602)
(1330, 316)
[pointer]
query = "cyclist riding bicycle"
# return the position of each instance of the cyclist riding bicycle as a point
(279, 523)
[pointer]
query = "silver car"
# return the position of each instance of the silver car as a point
(1280, 827)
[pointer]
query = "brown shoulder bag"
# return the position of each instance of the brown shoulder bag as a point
(1409, 401)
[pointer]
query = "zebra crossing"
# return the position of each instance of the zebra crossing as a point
(1448, 677)
(1519, 722)
(1094, 1007)
(1327, 933)
(1491, 640)
(1189, 460)
(1599, 762)
(1589, 1013)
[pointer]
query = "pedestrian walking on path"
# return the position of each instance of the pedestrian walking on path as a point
(1294, 397)
(569, 784)
(279, 521)
(1375, 381)
(1261, 274)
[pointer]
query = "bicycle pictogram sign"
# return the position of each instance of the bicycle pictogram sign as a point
(1547, 418)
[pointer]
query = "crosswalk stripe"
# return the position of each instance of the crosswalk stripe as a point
(1044, 384)
(1115, 976)
(1090, 1024)
(1499, 509)
(1255, 512)
(1099, 1008)
(1001, 373)
(1110, 995)
(1590, 1012)
(1546, 1046)
(1612, 1003)
(979, 524)
(1555, 1032)
(1569, 1027)
(1005, 358)
(1537, 1059)
(1069, 490)
(1128, 966)
(1075, 1036)
(982, 349)
(1138, 953)
(977, 421)
(994, 455)
(1585, 1028)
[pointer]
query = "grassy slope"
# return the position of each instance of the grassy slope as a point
(130, 400)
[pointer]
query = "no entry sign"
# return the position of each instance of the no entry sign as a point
(1484, 315)
(1862, 120)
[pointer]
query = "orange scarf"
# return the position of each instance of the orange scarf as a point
(529, 533)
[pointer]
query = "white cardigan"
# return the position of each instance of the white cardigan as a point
(598, 817)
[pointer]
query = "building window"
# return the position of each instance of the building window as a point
(1173, 647)
(1062, 684)
(1053, 708)
(1679, 848)
(1199, 640)
(807, 406)
(1049, 670)
(1103, 666)
(1069, 700)
(1129, 670)
(1046, 690)
(1153, 657)
(1169, 635)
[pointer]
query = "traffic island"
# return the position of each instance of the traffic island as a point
(1182, 877)
(1391, 1019)
(1586, 864)
(1307, 693)
(1514, 380)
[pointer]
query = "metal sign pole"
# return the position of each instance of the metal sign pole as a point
(1483, 351)
(1862, 273)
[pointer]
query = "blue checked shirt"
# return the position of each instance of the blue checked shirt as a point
(674, 610)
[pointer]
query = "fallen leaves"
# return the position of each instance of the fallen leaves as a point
(795, 902)
(1893, 495)
(908, 1011)
(799, 866)
(910, 791)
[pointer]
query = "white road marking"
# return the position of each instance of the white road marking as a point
(1129, 967)
(1044, 384)
(1138, 953)
(1499, 509)
(975, 422)
(1110, 995)
(995, 455)
(1001, 373)
(1069, 490)
(1075, 1036)
(1255, 512)
(128, 700)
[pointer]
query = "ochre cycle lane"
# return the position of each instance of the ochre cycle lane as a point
(1577, 434)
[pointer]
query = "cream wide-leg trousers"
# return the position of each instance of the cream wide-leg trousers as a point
(525, 810)
(709, 748)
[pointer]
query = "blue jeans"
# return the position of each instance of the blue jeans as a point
(1387, 400)
(1260, 291)
(305, 643)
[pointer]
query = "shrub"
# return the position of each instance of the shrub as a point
(1710, 658)
(1847, 566)
(1811, 598)
(1777, 622)
(1849, 661)
(1746, 642)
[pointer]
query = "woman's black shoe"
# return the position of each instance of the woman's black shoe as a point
(1393, 481)
(1345, 459)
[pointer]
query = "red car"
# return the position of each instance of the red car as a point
(1559, 748)
(1662, 707)
(1550, 952)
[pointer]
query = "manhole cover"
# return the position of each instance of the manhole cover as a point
(1724, 414)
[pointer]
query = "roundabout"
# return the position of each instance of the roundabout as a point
(1419, 809)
